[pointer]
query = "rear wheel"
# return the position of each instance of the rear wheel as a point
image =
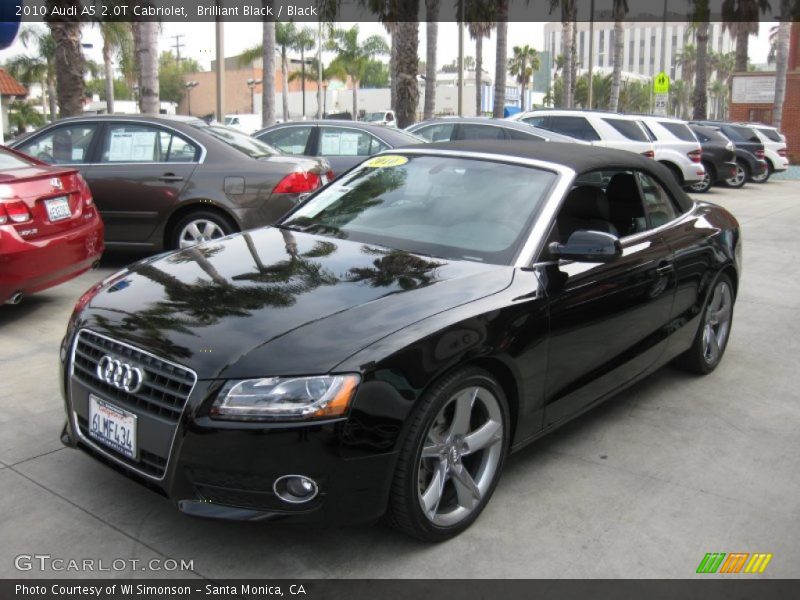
(762, 177)
(715, 327)
(452, 456)
(740, 176)
(702, 186)
(200, 226)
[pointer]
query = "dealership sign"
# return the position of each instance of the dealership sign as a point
(758, 89)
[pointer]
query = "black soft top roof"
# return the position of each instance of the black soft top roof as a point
(580, 158)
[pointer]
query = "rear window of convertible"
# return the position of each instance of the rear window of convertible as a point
(454, 208)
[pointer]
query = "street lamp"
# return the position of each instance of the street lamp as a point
(252, 83)
(189, 85)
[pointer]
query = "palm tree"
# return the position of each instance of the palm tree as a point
(718, 90)
(22, 113)
(700, 100)
(680, 91)
(286, 38)
(268, 72)
(145, 41)
(431, 33)
(782, 61)
(501, 59)
(69, 61)
(479, 30)
(740, 18)
(686, 59)
(568, 28)
(620, 11)
(352, 56)
(522, 65)
(407, 63)
(115, 34)
(37, 69)
(601, 87)
(304, 40)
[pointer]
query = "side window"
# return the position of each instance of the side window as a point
(126, 143)
(175, 148)
(629, 129)
(341, 141)
(658, 205)
(441, 132)
(473, 131)
(513, 134)
(64, 145)
(537, 122)
(577, 127)
(292, 140)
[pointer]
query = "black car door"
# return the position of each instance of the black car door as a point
(609, 321)
(138, 176)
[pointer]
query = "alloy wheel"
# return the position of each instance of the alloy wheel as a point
(761, 177)
(717, 322)
(739, 178)
(199, 231)
(702, 185)
(460, 456)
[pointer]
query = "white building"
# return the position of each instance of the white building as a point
(642, 47)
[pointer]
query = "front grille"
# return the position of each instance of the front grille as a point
(149, 463)
(164, 391)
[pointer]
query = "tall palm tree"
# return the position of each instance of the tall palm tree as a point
(782, 61)
(522, 65)
(619, 11)
(115, 34)
(304, 41)
(431, 34)
(700, 16)
(352, 56)
(69, 61)
(268, 72)
(501, 58)
(145, 41)
(318, 69)
(407, 65)
(568, 28)
(286, 38)
(740, 18)
(479, 30)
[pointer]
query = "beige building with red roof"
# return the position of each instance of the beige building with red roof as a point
(10, 89)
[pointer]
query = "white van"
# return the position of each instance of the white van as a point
(383, 117)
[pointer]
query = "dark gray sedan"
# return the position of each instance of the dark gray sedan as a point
(169, 182)
(344, 144)
(450, 129)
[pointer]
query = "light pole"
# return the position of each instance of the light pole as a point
(252, 83)
(189, 85)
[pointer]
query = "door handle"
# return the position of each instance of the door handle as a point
(664, 268)
(170, 177)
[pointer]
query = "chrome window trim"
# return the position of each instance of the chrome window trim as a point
(199, 161)
(74, 415)
(536, 234)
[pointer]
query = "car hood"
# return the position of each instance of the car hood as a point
(275, 302)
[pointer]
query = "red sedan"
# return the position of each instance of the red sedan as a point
(50, 230)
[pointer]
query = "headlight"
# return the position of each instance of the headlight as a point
(286, 398)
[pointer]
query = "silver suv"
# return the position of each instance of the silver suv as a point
(677, 148)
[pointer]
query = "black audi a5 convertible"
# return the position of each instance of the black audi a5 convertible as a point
(382, 349)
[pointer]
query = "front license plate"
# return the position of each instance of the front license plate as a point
(58, 208)
(112, 426)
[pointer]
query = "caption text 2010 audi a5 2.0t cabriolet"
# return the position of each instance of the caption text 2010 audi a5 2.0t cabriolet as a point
(383, 348)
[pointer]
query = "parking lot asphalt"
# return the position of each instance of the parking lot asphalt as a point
(642, 486)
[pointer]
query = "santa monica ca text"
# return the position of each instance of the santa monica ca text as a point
(141, 589)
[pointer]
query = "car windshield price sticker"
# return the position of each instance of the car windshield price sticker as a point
(390, 160)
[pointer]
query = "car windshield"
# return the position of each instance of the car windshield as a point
(9, 160)
(453, 208)
(252, 147)
(374, 117)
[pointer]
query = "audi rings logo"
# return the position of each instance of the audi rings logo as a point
(119, 374)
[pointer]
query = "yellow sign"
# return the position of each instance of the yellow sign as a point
(388, 160)
(661, 83)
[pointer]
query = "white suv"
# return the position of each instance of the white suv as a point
(676, 148)
(774, 146)
(608, 129)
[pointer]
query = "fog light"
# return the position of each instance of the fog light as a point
(295, 489)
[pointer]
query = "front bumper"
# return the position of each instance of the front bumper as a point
(226, 470)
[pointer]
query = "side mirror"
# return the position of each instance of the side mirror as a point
(588, 246)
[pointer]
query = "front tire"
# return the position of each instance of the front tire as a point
(452, 456)
(712, 336)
